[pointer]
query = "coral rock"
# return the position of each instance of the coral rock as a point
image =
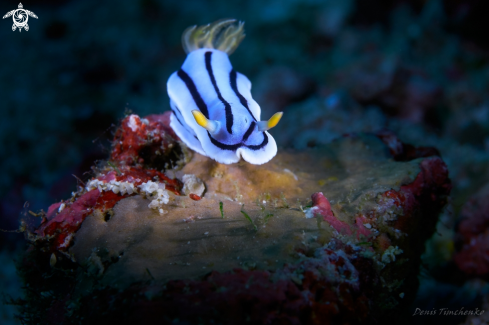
(253, 247)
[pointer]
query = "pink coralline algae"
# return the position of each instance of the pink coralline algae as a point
(194, 197)
(63, 225)
(473, 234)
(148, 141)
(59, 225)
(132, 139)
(428, 191)
(405, 211)
(322, 208)
(360, 221)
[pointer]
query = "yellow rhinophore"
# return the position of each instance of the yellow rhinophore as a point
(209, 125)
(272, 122)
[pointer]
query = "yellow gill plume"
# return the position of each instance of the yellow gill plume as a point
(221, 35)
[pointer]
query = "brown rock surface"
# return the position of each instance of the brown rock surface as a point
(330, 234)
(192, 238)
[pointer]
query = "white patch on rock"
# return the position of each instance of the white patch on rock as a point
(288, 171)
(121, 187)
(158, 193)
(193, 185)
(67, 241)
(150, 190)
(310, 213)
(113, 185)
(132, 122)
(61, 207)
(390, 254)
(95, 183)
(149, 187)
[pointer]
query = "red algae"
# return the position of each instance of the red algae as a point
(396, 197)
(53, 208)
(64, 218)
(322, 207)
(107, 200)
(60, 226)
(361, 228)
(473, 235)
(194, 197)
(473, 258)
(148, 141)
(428, 191)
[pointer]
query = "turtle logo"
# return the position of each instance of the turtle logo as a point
(20, 17)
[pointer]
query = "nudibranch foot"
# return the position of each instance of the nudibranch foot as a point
(184, 132)
(221, 35)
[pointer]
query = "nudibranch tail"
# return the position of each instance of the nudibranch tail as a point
(272, 122)
(221, 35)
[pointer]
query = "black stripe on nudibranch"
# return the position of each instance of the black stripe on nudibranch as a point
(248, 132)
(261, 145)
(233, 80)
(227, 107)
(183, 125)
(193, 91)
(235, 147)
(223, 146)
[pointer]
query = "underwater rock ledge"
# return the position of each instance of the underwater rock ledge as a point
(164, 235)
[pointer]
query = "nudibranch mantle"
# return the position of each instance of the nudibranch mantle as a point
(214, 112)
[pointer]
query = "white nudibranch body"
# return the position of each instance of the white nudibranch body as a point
(212, 108)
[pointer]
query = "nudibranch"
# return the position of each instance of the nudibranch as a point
(212, 108)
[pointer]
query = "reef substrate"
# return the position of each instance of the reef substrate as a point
(162, 235)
